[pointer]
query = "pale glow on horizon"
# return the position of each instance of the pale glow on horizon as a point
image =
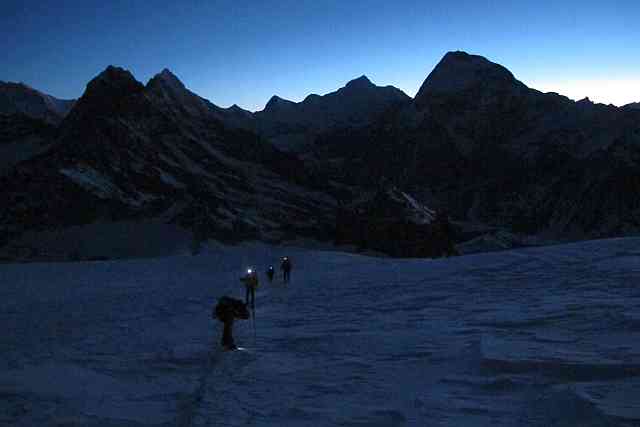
(617, 92)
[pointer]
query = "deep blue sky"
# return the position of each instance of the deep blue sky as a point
(245, 51)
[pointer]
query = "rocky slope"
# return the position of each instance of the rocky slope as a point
(22, 137)
(28, 122)
(393, 222)
(130, 151)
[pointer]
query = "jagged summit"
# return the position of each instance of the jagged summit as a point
(113, 81)
(277, 102)
(113, 73)
(585, 102)
(459, 71)
(166, 79)
(231, 114)
(106, 93)
(361, 82)
(170, 94)
(166, 73)
(236, 107)
(312, 97)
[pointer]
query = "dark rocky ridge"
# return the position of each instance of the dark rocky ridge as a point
(475, 143)
(294, 126)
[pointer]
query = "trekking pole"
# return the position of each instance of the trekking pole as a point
(254, 326)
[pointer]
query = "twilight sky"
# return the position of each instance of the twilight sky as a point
(244, 52)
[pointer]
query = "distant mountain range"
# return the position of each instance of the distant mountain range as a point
(475, 145)
(294, 126)
(16, 98)
(130, 151)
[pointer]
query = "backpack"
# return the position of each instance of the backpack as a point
(223, 309)
(229, 308)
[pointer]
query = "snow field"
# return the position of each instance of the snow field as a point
(535, 337)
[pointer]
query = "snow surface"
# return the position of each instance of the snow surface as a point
(535, 337)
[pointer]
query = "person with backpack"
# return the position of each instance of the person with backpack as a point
(250, 281)
(285, 266)
(227, 310)
(270, 273)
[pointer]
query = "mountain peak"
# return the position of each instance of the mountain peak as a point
(115, 73)
(167, 75)
(276, 102)
(236, 109)
(166, 79)
(104, 90)
(361, 82)
(461, 55)
(459, 71)
(114, 78)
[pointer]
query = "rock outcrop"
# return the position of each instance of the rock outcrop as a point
(392, 222)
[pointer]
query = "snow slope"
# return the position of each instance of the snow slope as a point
(536, 337)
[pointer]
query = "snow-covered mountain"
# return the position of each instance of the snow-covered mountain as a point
(20, 98)
(529, 338)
